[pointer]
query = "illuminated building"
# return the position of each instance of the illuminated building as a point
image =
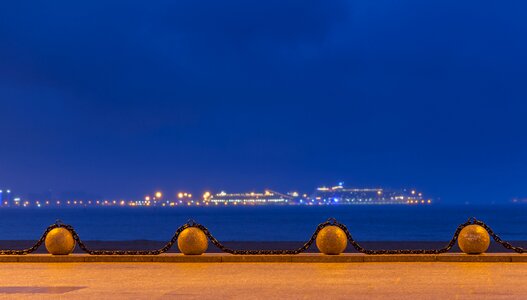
(342, 195)
(267, 197)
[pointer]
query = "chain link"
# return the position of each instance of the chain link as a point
(223, 248)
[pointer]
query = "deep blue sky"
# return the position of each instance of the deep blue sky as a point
(122, 98)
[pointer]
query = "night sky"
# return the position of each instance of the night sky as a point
(119, 99)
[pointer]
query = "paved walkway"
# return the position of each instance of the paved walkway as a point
(263, 280)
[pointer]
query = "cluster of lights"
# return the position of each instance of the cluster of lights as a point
(341, 195)
(429, 201)
(252, 198)
(38, 203)
(182, 195)
(323, 196)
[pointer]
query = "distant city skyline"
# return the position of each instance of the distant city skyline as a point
(324, 195)
(172, 191)
(116, 99)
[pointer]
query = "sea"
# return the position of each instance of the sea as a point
(267, 223)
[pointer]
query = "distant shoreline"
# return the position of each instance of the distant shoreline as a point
(179, 207)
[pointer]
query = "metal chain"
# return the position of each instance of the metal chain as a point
(445, 249)
(34, 247)
(223, 248)
(127, 252)
(498, 240)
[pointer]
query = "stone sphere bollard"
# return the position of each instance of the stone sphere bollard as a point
(59, 241)
(332, 240)
(192, 241)
(473, 239)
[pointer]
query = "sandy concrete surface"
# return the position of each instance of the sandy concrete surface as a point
(263, 281)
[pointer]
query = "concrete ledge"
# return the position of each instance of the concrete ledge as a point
(301, 258)
(490, 257)
(401, 258)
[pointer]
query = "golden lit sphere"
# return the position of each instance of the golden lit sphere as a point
(473, 239)
(192, 241)
(59, 241)
(332, 240)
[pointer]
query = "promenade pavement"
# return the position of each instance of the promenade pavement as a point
(383, 280)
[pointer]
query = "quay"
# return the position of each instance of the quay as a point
(262, 280)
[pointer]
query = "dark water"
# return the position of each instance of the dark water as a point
(290, 223)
